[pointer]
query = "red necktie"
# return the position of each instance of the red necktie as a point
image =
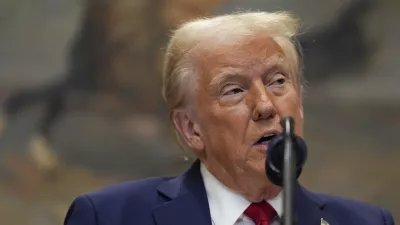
(261, 213)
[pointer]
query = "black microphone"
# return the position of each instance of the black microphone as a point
(274, 163)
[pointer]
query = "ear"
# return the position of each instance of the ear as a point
(301, 102)
(301, 111)
(188, 129)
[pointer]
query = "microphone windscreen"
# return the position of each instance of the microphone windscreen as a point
(275, 157)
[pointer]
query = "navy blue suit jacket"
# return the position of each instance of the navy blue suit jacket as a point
(182, 200)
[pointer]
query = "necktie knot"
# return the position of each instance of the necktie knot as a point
(261, 213)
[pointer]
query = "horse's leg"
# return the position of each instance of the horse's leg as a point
(41, 149)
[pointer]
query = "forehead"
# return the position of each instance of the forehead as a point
(248, 53)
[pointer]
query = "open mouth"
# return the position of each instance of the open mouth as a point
(264, 140)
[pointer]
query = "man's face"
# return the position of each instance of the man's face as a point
(242, 93)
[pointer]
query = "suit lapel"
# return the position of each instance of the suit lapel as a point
(310, 209)
(188, 203)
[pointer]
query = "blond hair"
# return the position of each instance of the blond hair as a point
(199, 34)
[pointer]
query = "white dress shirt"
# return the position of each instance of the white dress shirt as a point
(226, 206)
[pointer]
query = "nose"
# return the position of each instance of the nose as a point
(264, 104)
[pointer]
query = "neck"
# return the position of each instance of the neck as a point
(257, 194)
(253, 188)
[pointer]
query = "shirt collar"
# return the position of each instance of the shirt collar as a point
(226, 206)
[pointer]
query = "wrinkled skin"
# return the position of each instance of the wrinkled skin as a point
(241, 93)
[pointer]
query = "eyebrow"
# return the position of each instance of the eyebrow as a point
(284, 67)
(226, 73)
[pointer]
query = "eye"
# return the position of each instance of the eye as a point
(279, 81)
(233, 91)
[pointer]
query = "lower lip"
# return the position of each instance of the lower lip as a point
(261, 147)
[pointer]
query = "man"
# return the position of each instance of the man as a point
(227, 82)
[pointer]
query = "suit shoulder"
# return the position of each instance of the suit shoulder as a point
(347, 209)
(347, 203)
(144, 190)
(116, 203)
(358, 209)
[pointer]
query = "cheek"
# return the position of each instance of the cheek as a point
(225, 128)
(229, 119)
(290, 105)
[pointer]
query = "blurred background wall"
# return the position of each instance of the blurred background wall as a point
(81, 103)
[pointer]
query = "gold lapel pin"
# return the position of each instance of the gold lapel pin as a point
(323, 222)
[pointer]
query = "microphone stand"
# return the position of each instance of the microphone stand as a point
(289, 170)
